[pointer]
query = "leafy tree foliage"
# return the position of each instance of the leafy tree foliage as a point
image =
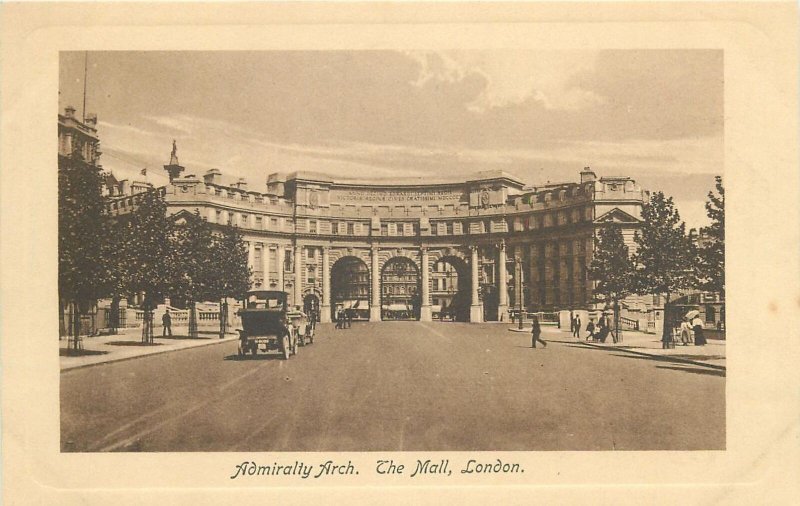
(613, 269)
(712, 254)
(231, 254)
(665, 254)
(80, 216)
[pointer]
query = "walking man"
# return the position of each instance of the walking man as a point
(349, 317)
(166, 321)
(536, 333)
(576, 332)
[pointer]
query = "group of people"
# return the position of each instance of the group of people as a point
(687, 327)
(344, 318)
(596, 332)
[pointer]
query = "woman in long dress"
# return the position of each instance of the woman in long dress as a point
(686, 332)
(697, 327)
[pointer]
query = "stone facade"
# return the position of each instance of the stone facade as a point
(504, 241)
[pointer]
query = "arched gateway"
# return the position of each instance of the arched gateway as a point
(462, 239)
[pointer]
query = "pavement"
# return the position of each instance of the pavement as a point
(395, 386)
(639, 343)
(127, 344)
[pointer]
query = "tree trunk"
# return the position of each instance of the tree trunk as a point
(193, 334)
(222, 318)
(666, 327)
(113, 321)
(617, 335)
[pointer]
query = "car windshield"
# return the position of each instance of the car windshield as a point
(261, 301)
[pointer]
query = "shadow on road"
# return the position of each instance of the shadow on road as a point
(694, 370)
(699, 369)
(131, 343)
(183, 338)
(260, 356)
(64, 352)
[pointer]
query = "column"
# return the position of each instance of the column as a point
(298, 275)
(425, 309)
(251, 256)
(280, 256)
(265, 264)
(325, 307)
(475, 310)
(375, 277)
(502, 309)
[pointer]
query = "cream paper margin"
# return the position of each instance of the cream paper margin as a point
(760, 465)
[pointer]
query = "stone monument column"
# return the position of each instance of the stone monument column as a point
(280, 257)
(375, 277)
(425, 308)
(325, 307)
(298, 275)
(251, 260)
(502, 308)
(265, 264)
(475, 309)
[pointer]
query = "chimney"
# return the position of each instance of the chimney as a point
(69, 111)
(241, 183)
(91, 119)
(123, 187)
(212, 176)
(588, 175)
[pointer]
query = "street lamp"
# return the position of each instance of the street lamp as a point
(518, 282)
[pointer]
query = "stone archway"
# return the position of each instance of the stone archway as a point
(450, 289)
(400, 289)
(350, 287)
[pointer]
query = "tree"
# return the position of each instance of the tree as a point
(195, 276)
(232, 272)
(151, 259)
(712, 253)
(80, 219)
(665, 255)
(613, 269)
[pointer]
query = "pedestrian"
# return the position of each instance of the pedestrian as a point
(166, 321)
(666, 340)
(686, 332)
(576, 332)
(697, 327)
(590, 330)
(339, 319)
(536, 333)
(349, 317)
(602, 330)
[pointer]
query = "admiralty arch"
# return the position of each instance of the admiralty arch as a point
(422, 249)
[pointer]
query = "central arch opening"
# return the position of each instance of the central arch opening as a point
(450, 289)
(400, 290)
(350, 287)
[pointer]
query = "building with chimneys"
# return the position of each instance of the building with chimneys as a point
(467, 250)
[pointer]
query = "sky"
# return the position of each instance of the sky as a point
(654, 115)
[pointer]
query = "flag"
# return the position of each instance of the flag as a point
(144, 171)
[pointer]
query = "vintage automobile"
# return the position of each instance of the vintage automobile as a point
(266, 324)
(303, 326)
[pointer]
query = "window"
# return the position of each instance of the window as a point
(434, 229)
(449, 228)
(312, 253)
(335, 228)
(384, 229)
(259, 199)
(244, 220)
(219, 216)
(273, 223)
(487, 226)
(259, 222)
(350, 229)
(312, 227)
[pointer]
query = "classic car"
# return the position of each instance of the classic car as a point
(266, 325)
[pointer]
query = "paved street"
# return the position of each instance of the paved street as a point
(396, 386)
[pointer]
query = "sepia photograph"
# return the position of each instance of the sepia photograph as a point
(391, 250)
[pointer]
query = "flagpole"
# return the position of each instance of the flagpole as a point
(85, 71)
